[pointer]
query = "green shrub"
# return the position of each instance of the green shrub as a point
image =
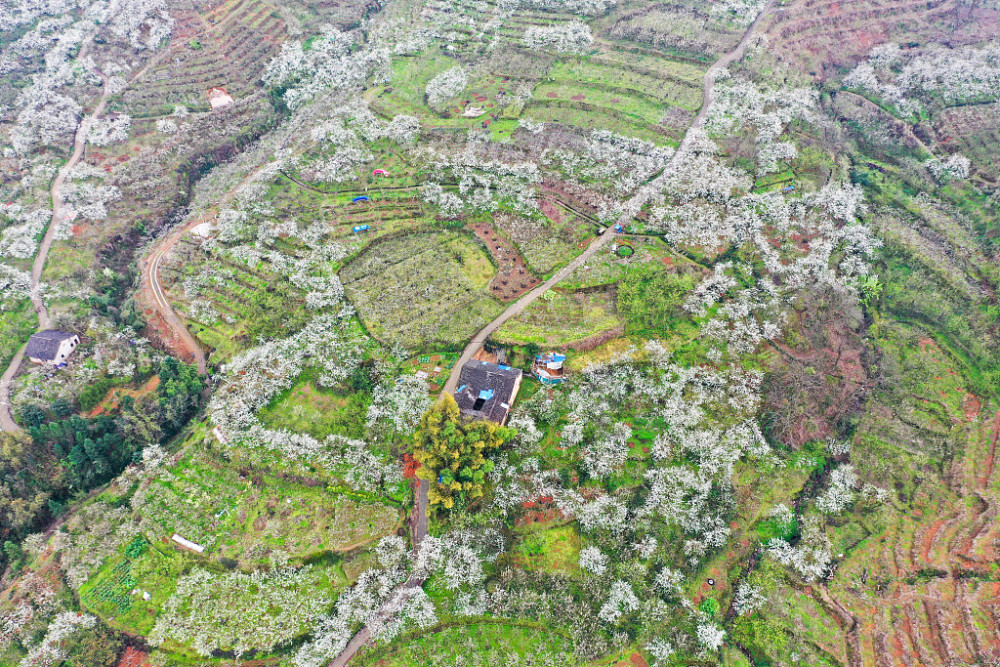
(649, 297)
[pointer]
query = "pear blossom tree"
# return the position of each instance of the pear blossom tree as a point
(954, 168)
(571, 37)
(445, 86)
(50, 650)
(329, 62)
(910, 79)
(105, 131)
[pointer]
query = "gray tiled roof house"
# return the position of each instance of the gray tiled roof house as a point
(48, 345)
(487, 391)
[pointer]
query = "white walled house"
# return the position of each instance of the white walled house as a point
(51, 346)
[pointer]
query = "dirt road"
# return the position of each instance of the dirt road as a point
(414, 581)
(58, 216)
(632, 207)
(153, 298)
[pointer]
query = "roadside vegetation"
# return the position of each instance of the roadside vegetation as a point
(775, 438)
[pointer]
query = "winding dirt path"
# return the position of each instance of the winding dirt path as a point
(153, 299)
(632, 207)
(58, 215)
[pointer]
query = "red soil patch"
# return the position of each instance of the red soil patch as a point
(991, 457)
(616, 100)
(409, 467)
(972, 406)
(579, 98)
(535, 517)
(113, 398)
(133, 657)
(513, 278)
(551, 95)
(638, 660)
(927, 343)
(550, 210)
(928, 541)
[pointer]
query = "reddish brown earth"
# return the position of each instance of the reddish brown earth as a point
(133, 657)
(513, 278)
(111, 401)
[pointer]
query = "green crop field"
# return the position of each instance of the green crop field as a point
(422, 288)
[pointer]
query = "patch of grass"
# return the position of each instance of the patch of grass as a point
(553, 550)
(561, 318)
(607, 266)
(649, 298)
(308, 408)
(108, 592)
(240, 516)
(16, 326)
(420, 289)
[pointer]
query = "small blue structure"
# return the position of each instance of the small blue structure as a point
(361, 228)
(360, 198)
(788, 188)
(486, 394)
(548, 368)
(618, 228)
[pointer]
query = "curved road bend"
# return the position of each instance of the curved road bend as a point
(6, 416)
(640, 199)
(151, 279)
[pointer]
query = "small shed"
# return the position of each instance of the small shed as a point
(548, 368)
(51, 346)
(202, 231)
(188, 544)
(219, 98)
(487, 391)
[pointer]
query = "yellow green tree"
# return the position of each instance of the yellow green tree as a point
(452, 452)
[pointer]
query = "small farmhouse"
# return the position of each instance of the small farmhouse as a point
(51, 346)
(487, 391)
(218, 98)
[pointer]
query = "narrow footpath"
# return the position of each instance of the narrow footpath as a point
(7, 422)
(632, 207)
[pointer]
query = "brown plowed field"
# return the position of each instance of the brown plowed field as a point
(925, 589)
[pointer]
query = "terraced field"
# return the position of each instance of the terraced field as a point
(225, 46)
(822, 36)
(422, 289)
(972, 130)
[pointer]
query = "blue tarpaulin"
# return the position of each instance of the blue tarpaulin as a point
(486, 394)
